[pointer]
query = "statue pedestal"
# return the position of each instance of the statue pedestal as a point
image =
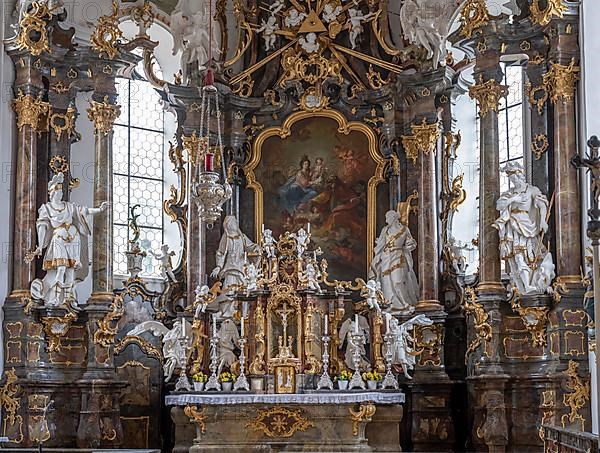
(317, 422)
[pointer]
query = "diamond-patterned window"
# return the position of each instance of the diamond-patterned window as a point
(138, 173)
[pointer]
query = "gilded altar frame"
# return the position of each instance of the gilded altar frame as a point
(344, 127)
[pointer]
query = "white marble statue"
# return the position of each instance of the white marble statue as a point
(268, 30)
(403, 342)
(63, 230)
(202, 299)
(309, 43)
(425, 23)
(347, 330)
(311, 276)
(392, 265)
(293, 18)
(166, 264)
(190, 21)
(521, 226)
(176, 342)
(356, 19)
(331, 12)
(231, 257)
(229, 338)
(252, 275)
(302, 240)
(268, 244)
(372, 294)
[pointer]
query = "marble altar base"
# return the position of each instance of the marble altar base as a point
(287, 427)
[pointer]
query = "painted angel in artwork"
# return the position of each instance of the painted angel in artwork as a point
(176, 342)
(348, 330)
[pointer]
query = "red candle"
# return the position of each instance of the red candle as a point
(209, 162)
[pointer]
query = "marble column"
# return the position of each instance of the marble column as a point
(103, 111)
(30, 112)
(488, 91)
(421, 147)
(560, 82)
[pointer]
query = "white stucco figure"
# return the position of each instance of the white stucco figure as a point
(63, 230)
(521, 226)
(268, 244)
(166, 264)
(348, 329)
(311, 276)
(372, 294)
(356, 19)
(425, 23)
(309, 44)
(392, 265)
(229, 338)
(231, 257)
(252, 275)
(293, 18)
(403, 342)
(202, 299)
(268, 30)
(331, 12)
(175, 343)
(302, 240)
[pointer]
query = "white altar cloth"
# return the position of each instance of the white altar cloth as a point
(217, 398)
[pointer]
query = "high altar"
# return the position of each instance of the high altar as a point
(316, 297)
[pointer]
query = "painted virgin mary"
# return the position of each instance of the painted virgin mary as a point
(392, 265)
(298, 189)
(63, 231)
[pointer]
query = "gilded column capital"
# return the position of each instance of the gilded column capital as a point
(487, 94)
(31, 111)
(424, 138)
(542, 15)
(473, 15)
(560, 81)
(104, 115)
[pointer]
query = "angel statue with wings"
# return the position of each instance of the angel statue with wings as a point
(348, 331)
(176, 343)
(62, 230)
(403, 342)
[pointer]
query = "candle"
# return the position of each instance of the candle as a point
(242, 324)
(183, 326)
(245, 257)
(209, 162)
(308, 228)
(214, 326)
(355, 323)
(262, 228)
(326, 324)
(387, 322)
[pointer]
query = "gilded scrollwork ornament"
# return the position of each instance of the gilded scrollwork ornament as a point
(105, 37)
(104, 115)
(578, 396)
(539, 145)
(483, 329)
(9, 401)
(196, 417)
(487, 94)
(473, 16)
(33, 34)
(62, 123)
(55, 328)
(534, 319)
(424, 138)
(560, 81)
(31, 112)
(365, 413)
(107, 327)
(537, 96)
(542, 15)
(279, 422)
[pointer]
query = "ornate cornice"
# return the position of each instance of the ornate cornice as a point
(560, 81)
(487, 94)
(31, 111)
(104, 115)
(424, 138)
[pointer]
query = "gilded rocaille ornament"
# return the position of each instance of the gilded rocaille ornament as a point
(107, 326)
(197, 417)
(487, 94)
(473, 16)
(107, 34)
(279, 422)
(483, 329)
(63, 122)
(560, 81)
(424, 138)
(31, 112)
(542, 15)
(55, 328)
(33, 35)
(537, 96)
(539, 145)
(534, 319)
(578, 396)
(8, 396)
(104, 115)
(364, 413)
